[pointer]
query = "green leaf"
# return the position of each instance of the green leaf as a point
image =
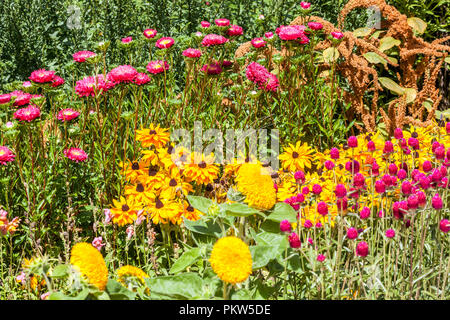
(182, 286)
(117, 291)
(239, 210)
(374, 58)
(200, 203)
(262, 255)
(187, 259)
(361, 32)
(61, 271)
(330, 54)
(388, 42)
(417, 24)
(283, 211)
(276, 240)
(200, 226)
(391, 85)
(61, 296)
(411, 94)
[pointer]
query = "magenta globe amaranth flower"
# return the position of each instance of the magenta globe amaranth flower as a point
(294, 241)
(437, 202)
(371, 146)
(322, 208)
(285, 226)
(365, 213)
(362, 249)
(317, 189)
(321, 258)
(329, 164)
(390, 233)
(340, 191)
(352, 142)
(334, 153)
(444, 225)
(380, 187)
(352, 233)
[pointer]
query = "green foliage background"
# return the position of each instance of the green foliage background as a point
(35, 33)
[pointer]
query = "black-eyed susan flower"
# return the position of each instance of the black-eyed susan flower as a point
(133, 170)
(175, 187)
(190, 212)
(161, 212)
(90, 263)
(140, 194)
(296, 157)
(231, 260)
(124, 211)
(254, 181)
(201, 169)
(153, 136)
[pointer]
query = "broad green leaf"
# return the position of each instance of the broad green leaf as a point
(200, 203)
(239, 210)
(393, 60)
(117, 291)
(61, 296)
(391, 85)
(411, 94)
(187, 259)
(447, 59)
(361, 32)
(374, 58)
(417, 24)
(283, 211)
(182, 286)
(376, 34)
(262, 255)
(277, 240)
(330, 54)
(388, 42)
(200, 226)
(242, 294)
(60, 271)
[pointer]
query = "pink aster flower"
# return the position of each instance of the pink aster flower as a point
(315, 26)
(294, 240)
(27, 84)
(268, 35)
(141, 78)
(271, 83)
(76, 154)
(290, 32)
(122, 74)
(212, 68)
(321, 258)
(5, 98)
(90, 86)
(21, 277)
(6, 155)
(157, 66)
(164, 43)
(222, 22)
(305, 5)
(235, 31)
(337, 35)
(192, 53)
(21, 98)
(127, 40)
(150, 33)
(285, 226)
(227, 63)
(68, 114)
(362, 249)
(258, 43)
(81, 56)
(57, 81)
(27, 114)
(42, 76)
(213, 39)
(256, 73)
(205, 24)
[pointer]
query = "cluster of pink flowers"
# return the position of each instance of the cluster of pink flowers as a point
(141, 79)
(68, 114)
(90, 86)
(213, 39)
(98, 243)
(81, 56)
(157, 66)
(258, 74)
(75, 154)
(6, 155)
(27, 114)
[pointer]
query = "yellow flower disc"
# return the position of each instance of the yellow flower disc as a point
(130, 271)
(89, 261)
(255, 183)
(231, 260)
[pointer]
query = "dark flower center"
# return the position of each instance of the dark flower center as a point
(172, 182)
(209, 187)
(152, 171)
(170, 149)
(274, 175)
(159, 204)
(190, 209)
(152, 132)
(202, 165)
(140, 188)
(294, 155)
(135, 166)
(414, 134)
(125, 207)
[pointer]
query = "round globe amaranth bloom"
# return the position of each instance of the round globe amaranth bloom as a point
(294, 241)
(444, 225)
(352, 233)
(365, 213)
(322, 208)
(285, 226)
(362, 249)
(231, 260)
(437, 202)
(334, 153)
(390, 233)
(340, 191)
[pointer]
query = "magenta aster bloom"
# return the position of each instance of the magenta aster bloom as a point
(268, 35)
(258, 43)
(235, 31)
(150, 33)
(76, 154)
(90, 86)
(294, 241)
(271, 83)
(57, 81)
(290, 32)
(227, 63)
(212, 68)
(213, 39)
(127, 40)
(27, 84)
(222, 22)
(81, 56)
(315, 26)
(122, 74)
(205, 24)
(305, 5)
(42, 76)
(256, 73)
(164, 42)
(285, 226)
(68, 114)
(321, 258)
(27, 114)
(192, 53)
(157, 66)
(21, 98)
(5, 98)
(6, 155)
(141, 78)
(337, 35)
(362, 249)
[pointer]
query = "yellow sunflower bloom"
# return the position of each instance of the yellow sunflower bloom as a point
(89, 261)
(126, 272)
